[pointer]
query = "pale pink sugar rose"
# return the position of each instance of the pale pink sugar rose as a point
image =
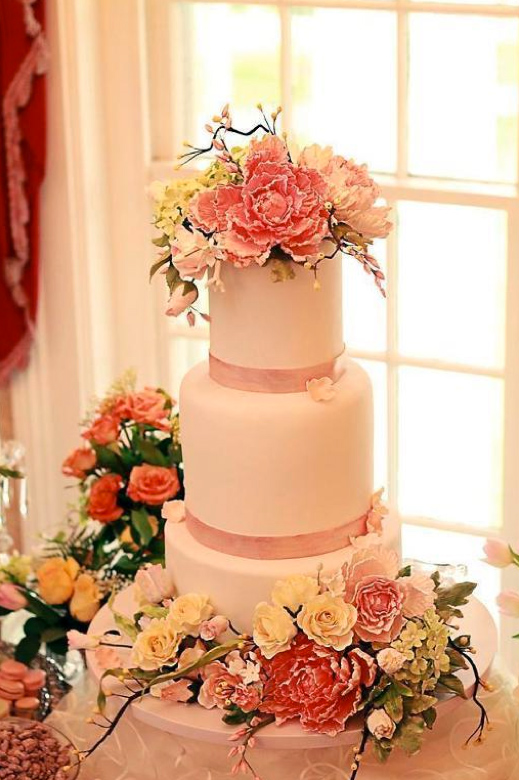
(379, 603)
(174, 511)
(79, 641)
(222, 689)
(390, 660)
(154, 584)
(180, 300)
(11, 597)
(213, 628)
(498, 553)
(192, 253)
(419, 594)
(508, 603)
(107, 658)
(380, 724)
(368, 561)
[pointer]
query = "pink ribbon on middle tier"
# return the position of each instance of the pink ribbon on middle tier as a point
(272, 380)
(275, 547)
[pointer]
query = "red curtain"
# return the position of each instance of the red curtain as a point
(23, 61)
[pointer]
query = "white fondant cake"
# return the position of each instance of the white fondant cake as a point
(262, 467)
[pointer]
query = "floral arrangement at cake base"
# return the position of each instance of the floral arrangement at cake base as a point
(263, 204)
(130, 464)
(372, 641)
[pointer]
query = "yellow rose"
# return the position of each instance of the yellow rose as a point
(294, 591)
(157, 645)
(189, 611)
(56, 579)
(86, 600)
(273, 629)
(328, 620)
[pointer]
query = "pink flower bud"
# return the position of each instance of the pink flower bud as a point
(181, 299)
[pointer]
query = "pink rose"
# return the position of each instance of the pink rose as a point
(498, 553)
(154, 583)
(379, 602)
(79, 462)
(174, 511)
(213, 628)
(319, 686)
(508, 603)
(153, 484)
(102, 502)
(183, 296)
(419, 595)
(11, 597)
(104, 430)
(147, 406)
(222, 689)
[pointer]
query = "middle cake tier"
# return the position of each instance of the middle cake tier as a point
(276, 465)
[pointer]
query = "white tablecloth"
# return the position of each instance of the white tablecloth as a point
(138, 752)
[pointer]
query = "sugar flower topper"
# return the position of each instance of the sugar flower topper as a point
(261, 204)
(321, 389)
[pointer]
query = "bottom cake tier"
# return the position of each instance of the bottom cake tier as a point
(236, 585)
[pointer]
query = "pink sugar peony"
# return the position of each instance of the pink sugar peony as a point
(222, 689)
(367, 561)
(147, 406)
(379, 602)
(153, 484)
(79, 461)
(317, 685)
(104, 430)
(269, 148)
(11, 597)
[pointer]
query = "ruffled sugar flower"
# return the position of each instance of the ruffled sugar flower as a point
(190, 611)
(294, 591)
(419, 594)
(379, 602)
(222, 689)
(390, 660)
(157, 644)
(176, 691)
(328, 620)
(380, 724)
(273, 629)
(377, 513)
(364, 561)
(154, 584)
(193, 253)
(319, 686)
(322, 389)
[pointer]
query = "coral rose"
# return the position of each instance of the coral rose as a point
(147, 406)
(379, 602)
(273, 629)
(222, 689)
(153, 484)
(317, 685)
(328, 620)
(104, 430)
(102, 502)
(86, 599)
(56, 579)
(79, 461)
(294, 591)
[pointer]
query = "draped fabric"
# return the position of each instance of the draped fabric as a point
(23, 60)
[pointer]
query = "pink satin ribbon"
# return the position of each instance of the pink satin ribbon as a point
(275, 547)
(272, 380)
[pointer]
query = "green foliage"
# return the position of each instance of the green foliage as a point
(452, 684)
(149, 452)
(410, 736)
(123, 623)
(404, 572)
(140, 522)
(27, 649)
(429, 717)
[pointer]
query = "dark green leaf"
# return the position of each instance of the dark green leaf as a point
(394, 706)
(381, 752)
(410, 736)
(451, 683)
(405, 572)
(58, 646)
(172, 277)
(10, 473)
(42, 610)
(27, 649)
(150, 452)
(142, 525)
(35, 626)
(162, 240)
(429, 717)
(157, 265)
(51, 635)
(422, 703)
(108, 459)
(454, 595)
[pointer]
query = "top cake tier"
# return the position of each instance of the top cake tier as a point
(258, 323)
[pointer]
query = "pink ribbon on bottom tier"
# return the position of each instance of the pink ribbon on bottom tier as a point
(273, 380)
(275, 547)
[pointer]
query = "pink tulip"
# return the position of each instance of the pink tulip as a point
(508, 603)
(11, 597)
(498, 553)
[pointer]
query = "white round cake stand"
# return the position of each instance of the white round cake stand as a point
(195, 722)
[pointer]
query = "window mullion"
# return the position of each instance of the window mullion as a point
(285, 16)
(392, 367)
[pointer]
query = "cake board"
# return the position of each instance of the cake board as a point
(195, 722)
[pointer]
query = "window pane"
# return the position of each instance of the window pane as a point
(364, 308)
(230, 53)
(433, 546)
(450, 446)
(355, 114)
(452, 283)
(378, 375)
(463, 104)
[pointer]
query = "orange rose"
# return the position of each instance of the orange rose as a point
(153, 484)
(104, 430)
(148, 407)
(79, 462)
(102, 503)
